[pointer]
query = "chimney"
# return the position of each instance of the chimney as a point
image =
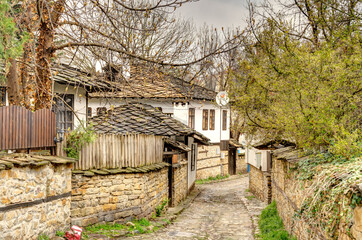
(142, 71)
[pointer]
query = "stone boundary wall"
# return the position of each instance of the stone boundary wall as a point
(179, 182)
(208, 162)
(34, 200)
(288, 194)
(117, 197)
(241, 165)
(260, 184)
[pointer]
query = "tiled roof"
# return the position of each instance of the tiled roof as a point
(65, 74)
(235, 143)
(141, 118)
(144, 85)
(157, 84)
(177, 145)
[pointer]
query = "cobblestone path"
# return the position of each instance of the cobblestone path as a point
(221, 211)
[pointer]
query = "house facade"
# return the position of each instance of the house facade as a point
(80, 96)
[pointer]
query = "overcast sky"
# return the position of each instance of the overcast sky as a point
(218, 13)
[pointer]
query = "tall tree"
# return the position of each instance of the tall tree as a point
(11, 44)
(300, 77)
(108, 30)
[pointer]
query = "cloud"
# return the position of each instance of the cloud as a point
(218, 13)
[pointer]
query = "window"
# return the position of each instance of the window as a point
(224, 119)
(258, 159)
(212, 119)
(63, 109)
(193, 156)
(89, 112)
(101, 110)
(2, 96)
(192, 118)
(205, 119)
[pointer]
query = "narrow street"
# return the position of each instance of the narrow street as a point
(221, 211)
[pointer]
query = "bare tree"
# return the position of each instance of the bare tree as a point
(110, 30)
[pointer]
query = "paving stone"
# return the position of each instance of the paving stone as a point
(220, 212)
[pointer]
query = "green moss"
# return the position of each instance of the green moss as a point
(210, 179)
(271, 225)
(43, 237)
(114, 229)
(250, 197)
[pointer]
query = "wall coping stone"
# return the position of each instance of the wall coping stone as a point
(104, 171)
(8, 161)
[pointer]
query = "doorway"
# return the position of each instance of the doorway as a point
(232, 161)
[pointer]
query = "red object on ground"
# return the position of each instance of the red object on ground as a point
(75, 233)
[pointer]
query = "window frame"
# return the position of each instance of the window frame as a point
(212, 119)
(89, 112)
(101, 110)
(193, 156)
(205, 119)
(224, 119)
(192, 118)
(62, 112)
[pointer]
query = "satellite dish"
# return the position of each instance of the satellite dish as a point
(222, 98)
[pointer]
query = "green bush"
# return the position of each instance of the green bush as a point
(271, 225)
(77, 138)
(161, 207)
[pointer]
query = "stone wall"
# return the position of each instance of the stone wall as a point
(179, 182)
(260, 184)
(241, 165)
(209, 162)
(34, 200)
(117, 197)
(289, 194)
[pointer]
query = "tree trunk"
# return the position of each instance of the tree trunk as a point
(27, 88)
(43, 60)
(44, 51)
(12, 83)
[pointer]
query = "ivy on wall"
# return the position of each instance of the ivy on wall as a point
(332, 195)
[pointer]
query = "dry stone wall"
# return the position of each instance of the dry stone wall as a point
(209, 162)
(289, 194)
(34, 200)
(241, 165)
(179, 183)
(260, 184)
(117, 197)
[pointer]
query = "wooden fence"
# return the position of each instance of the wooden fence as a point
(117, 151)
(23, 129)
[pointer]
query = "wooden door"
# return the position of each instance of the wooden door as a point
(232, 161)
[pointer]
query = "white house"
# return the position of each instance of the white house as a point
(80, 93)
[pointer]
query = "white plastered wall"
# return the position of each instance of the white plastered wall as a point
(251, 158)
(213, 135)
(79, 100)
(94, 103)
(179, 111)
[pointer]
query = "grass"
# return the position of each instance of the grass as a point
(43, 237)
(271, 225)
(210, 179)
(250, 197)
(60, 234)
(116, 229)
(160, 208)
